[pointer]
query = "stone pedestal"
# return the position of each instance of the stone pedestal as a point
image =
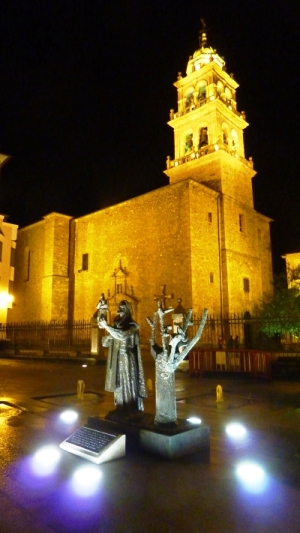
(184, 441)
(173, 442)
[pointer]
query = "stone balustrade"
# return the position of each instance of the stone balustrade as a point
(204, 150)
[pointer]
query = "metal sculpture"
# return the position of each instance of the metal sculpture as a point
(167, 358)
(124, 371)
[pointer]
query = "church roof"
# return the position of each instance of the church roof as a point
(202, 57)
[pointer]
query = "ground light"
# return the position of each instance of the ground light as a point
(252, 476)
(236, 431)
(85, 480)
(45, 461)
(194, 420)
(69, 416)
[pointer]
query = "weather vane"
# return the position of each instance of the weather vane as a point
(202, 34)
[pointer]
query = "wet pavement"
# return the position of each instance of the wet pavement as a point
(142, 493)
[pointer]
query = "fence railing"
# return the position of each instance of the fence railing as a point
(48, 336)
(248, 362)
(230, 332)
(242, 331)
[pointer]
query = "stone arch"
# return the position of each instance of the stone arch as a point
(189, 97)
(225, 134)
(220, 88)
(228, 94)
(188, 140)
(234, 139)
(201, 90)
(203, 135)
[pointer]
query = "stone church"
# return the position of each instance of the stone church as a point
(199, 238)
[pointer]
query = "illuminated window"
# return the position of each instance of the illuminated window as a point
(189, 97)
(234, 140)
(203, 137)
(220, 87)
(228, 93)
(225, 134)
(202, 91)
(85, 262)
(241, 223)
(211, 277)
(246, 284)
(1, 250)
(209, 217)
(189, 143)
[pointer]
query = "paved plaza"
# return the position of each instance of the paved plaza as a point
(142, 493)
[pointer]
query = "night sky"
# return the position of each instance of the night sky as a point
(86, 89)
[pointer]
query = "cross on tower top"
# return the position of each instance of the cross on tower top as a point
(202, 34)
(163, 296)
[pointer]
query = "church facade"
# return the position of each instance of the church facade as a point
(199, 238)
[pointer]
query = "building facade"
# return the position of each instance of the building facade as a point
(8, 238)
(199, 238)
(292, 266)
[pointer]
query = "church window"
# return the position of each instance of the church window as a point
(225, 134)
(241, 223)
(211, 277)
(202, 91)
(228, 94)
(189, 97)
(85, 262)
(119, 288)
(234, 139)
(209, 217)
(1, 250)
(203, 137)
(246, 284)
(220, 88)
(189, 144)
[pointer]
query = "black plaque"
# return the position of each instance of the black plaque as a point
(90, 439)
(96, 446)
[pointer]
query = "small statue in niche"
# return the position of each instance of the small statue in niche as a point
(124, 370)
(102, 308)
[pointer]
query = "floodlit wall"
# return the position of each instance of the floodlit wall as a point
(8, 237)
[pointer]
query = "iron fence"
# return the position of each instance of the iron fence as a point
(231, 332)
(48, 336)
(242, 331)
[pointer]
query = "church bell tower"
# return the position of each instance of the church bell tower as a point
(230, 241)
(208, 128)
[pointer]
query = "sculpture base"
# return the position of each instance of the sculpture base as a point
(168, 442)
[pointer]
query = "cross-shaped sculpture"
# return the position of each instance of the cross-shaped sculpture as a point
(163, 296)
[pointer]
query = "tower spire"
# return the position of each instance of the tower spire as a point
(202, 34)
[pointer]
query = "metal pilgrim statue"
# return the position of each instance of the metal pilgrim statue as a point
(124, 371)
(167, 357)
(102, 308)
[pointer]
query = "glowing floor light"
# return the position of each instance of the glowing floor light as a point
(194, 420)
(45, 460)
(86, 480)
(235, 430)
(252, 476)
(69, 416)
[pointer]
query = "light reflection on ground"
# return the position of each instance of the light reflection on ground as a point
(45, 461)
